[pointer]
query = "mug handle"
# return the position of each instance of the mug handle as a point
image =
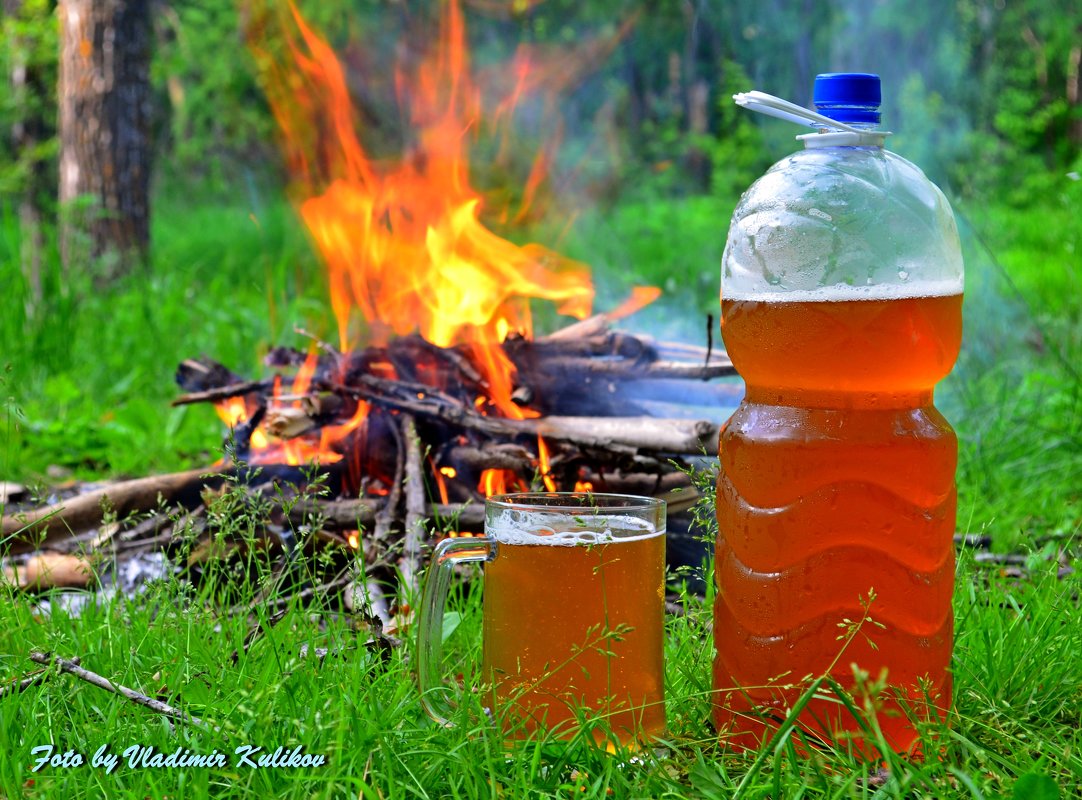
(448, 554)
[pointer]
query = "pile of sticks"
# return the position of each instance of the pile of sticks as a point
(589, 392)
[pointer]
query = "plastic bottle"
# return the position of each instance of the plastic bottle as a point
(841, 301)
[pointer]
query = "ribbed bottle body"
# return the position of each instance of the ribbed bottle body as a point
(836, 509)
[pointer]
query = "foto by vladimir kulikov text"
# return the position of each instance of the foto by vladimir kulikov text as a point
(138, 756)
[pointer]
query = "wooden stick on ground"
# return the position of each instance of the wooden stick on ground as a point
(336, 514)
(584, 328)
(410, 562)
(40, 527)
(623, 370)
(685, 437)
(72, 668)
(48, 570)
(388, 515)
(491, 456)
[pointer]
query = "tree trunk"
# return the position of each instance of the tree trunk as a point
(104, 134)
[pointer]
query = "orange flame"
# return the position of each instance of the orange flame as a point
(403, 240)
(641, 296)
(543, 465)
(441, 484)
(492, 482)
(301, 449)
(404, 244)
(233, 411)
(501, 481)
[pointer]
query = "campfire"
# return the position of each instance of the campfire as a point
(437, 392)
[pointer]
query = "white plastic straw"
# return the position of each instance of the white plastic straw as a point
(782, 109)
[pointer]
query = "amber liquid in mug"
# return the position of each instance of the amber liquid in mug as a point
(573, 626)
(836, 481)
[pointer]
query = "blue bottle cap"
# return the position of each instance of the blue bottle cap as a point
(848, 96)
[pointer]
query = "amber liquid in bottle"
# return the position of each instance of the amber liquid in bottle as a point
(836, 501)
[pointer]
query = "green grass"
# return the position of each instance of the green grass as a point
(1017, 684)
(1016, 396)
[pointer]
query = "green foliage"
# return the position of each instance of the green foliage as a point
(215, 117)
(1035, 786)
(1015, 396)
(736, 153)
(215, 123)
(85, 385)
(978, 93)
(29, 44)
(1027, 130)
(673, 243)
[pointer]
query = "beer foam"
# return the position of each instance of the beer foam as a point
(566, 530)
(840, 292)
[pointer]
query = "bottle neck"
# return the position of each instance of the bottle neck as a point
(871, 138)
(863, 126)
(861, 123)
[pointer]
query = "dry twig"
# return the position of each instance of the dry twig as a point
(410, 563)
(361, 589)
(220, 393)
(72, 668)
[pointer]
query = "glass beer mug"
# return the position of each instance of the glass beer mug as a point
(574, 588)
